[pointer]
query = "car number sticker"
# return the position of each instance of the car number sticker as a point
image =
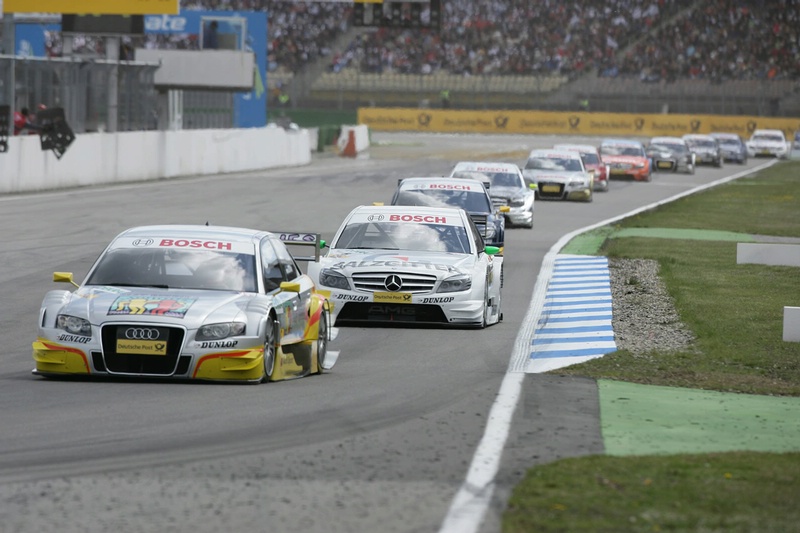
(392, 297)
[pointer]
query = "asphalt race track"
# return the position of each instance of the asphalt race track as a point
(381, 443)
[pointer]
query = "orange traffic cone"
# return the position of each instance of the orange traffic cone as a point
(349, 149)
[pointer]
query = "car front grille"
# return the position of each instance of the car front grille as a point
(141, 364)
(366, 312)
(412, 282)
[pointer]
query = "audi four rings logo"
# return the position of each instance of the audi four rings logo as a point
(142, 242)
(375, 217)
(393, 283)
(141, 334)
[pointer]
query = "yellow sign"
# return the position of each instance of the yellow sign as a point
(141, 347)
(392, 297)
(93, 7)
(565, 123)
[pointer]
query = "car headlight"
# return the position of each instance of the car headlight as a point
(223, 330)
(459, 282)
(517, 202)
(491, 231)
(577, 182)
(333, 279)
(74, 325)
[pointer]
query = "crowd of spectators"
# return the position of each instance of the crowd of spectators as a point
(719, 40)
(654, 40)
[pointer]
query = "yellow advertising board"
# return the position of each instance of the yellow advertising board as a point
(565, 123)
(93, 7)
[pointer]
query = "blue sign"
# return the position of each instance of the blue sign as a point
(31, 39)
(250, 109)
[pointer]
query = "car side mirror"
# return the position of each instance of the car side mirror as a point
(290, 286)
(504, 209)
(491, 250)
(532, 186)
(64, 277)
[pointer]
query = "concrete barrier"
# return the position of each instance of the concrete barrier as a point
(768, 254)
(104, 158)
(791, 324)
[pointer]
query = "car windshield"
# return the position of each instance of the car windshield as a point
(621, 149)
(769, 137)
(554, 163)
(728, 142)
(701, 143)
(176, 269)
(590, 158)
(470, 201)
(404, 236)
(678, 148)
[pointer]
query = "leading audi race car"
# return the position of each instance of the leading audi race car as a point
(592, 161)
(472, 196)
(507, 188)
(188, 302)
(626, 158)
(559, 175)
(408, 264)
(768, 143)
(705, 148)
(671, 154)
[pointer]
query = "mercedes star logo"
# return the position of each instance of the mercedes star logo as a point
(393, 283)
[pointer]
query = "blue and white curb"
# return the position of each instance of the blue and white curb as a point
(575, 324)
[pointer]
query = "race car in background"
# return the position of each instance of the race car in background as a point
(187, 303)
(671, 154)
(768, 143)
(506, 188)
(626, 158)
(732, 147)
(592, 161)
(559, 175)
(411, 265)
(472, 196)
(705, 148)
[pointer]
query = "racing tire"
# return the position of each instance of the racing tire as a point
(322, 340)
(690, 169)
(270, 349)
(486, 307)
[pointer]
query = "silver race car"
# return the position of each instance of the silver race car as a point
(411, 264)
(507, 188)
(671, 154)
(188, 302)
(559, 175)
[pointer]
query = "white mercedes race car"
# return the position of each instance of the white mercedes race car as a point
(411, 264)
(768, 143)
(188, 302)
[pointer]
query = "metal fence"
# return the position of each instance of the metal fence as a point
(84, 88)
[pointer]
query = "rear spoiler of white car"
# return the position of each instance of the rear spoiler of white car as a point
(291, 238)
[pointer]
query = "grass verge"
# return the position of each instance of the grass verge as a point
(736, 312)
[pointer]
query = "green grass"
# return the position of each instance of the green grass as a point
(736, 313)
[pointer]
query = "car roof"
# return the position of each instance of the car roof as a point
(770, 132)
(667, 139)
(375, 211)
(552, 152)
(626, 142)
(724, 135)
(586, 148)
(486, 166)
(697, 136)
(195, 231)
(406, 182)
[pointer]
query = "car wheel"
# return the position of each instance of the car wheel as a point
(649, 176)
(690, 169)
(529, 225)
(322, 341)
(270, 349)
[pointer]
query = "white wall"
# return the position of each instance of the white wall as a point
(102, 158)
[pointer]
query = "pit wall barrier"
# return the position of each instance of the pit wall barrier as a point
(107, 158)
(565, 123)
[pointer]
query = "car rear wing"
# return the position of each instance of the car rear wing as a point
(292, 238)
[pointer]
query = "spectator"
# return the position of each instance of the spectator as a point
(210, 35)
(23, 122)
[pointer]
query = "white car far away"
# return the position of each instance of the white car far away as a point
(405, 265)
